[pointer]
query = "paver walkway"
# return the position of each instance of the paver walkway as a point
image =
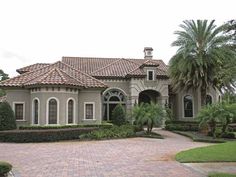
(125, 157)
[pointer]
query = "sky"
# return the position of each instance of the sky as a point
(42, 31)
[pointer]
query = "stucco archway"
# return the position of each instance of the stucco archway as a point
(148, 96)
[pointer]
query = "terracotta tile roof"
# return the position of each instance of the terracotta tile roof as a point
(31, 67)
(58, 73)
(119, 68)
(149, 63)
(115, 67)
(88, 64)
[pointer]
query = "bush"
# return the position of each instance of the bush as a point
(229, 135)
(118, 115)
(7, 118)
(123, 131)
(181, 125)
(25, 136)
(103, 125)
(5, 168)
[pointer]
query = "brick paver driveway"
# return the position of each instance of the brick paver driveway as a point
(124, 157)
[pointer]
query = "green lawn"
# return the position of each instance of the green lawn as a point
(221, 175)
(225, 152)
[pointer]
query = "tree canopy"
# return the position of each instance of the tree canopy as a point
(3, 76)
(204, 55)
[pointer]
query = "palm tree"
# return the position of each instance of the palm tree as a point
(148, 114)
(202, 52)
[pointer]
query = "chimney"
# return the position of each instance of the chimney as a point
(148, 52)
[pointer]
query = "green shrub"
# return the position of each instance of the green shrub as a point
(123, 131)
(229, 135)
(5, 168)
(103, 125)
(7, 118)
(118, 115)
(181, 125)
(24, 136)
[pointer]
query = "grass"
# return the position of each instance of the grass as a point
(224, 152)
(195, 136)
(221, 175)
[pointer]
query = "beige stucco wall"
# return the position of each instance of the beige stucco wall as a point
(122, 84)
(80, 97)
(23, 96)
(90, 96)
(178, 106)
(62, 96)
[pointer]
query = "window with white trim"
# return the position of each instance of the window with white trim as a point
(52, 111)
(150, 75)
(89, 111)
(36, 112)
(19, 111)
(70, 111)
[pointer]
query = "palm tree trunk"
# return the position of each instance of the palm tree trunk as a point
(203, 96)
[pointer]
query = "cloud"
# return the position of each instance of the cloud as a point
(10, 61)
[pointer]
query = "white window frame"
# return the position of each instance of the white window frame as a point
(153, 74)
(19, 102)
(93, 103)
(183, 105)
(67, 118)
(47, 109)
(33, 111)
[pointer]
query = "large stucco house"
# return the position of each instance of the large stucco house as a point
(83, 90)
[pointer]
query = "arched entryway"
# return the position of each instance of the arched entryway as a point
(111, 98)
(148, 96)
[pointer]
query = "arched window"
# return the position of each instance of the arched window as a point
(36, 111)
(188, 106)
(52, 111)
(208, 99)
(111, 98)
(70, 111)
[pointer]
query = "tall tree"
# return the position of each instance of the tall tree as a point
(3, 76)
(202, 52)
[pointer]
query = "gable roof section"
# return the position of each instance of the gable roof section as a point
(32, 67)
(58, 73)
(119, 68)
(115, 67)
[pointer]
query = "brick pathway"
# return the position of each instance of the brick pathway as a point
(125, 157)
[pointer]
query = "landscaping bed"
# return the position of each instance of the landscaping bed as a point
(224, 152)
(180, 125)
(144, 134)
(25, 136)
(198, 137)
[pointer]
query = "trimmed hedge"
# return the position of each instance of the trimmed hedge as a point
(118, 115)
(5, 168)
(182, 125)
(25, 136)
(7, 118)
(104, 125)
